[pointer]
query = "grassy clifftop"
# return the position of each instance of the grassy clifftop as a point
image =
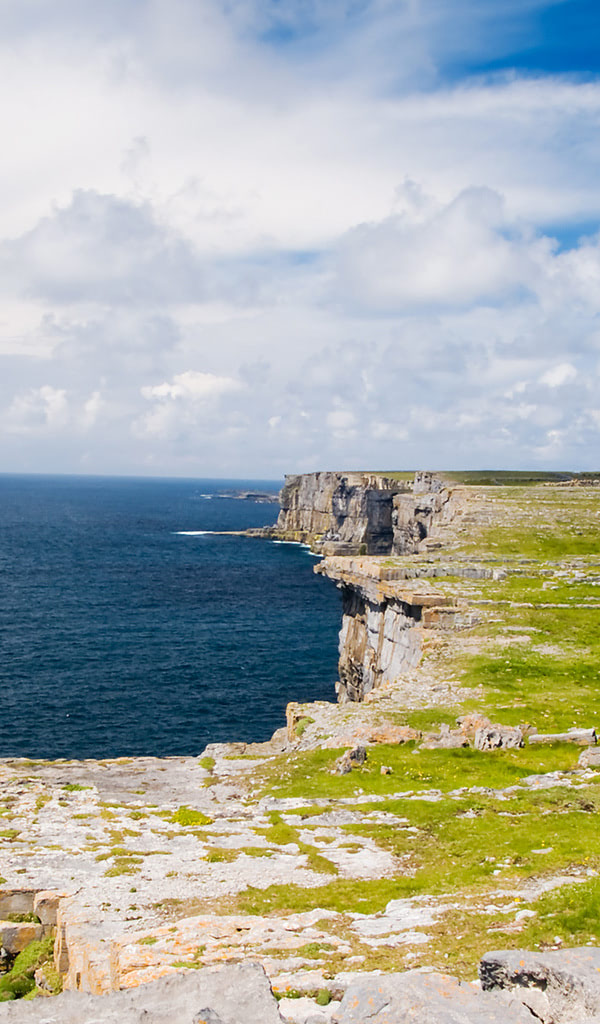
(502, 847)
(420, 856)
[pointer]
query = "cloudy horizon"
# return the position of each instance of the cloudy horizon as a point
(248, 237)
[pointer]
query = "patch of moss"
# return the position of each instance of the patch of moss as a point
(302, 724)
(124, 866)
(188, 816)
(19, 981)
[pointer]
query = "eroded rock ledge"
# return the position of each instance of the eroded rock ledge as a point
(384, 621)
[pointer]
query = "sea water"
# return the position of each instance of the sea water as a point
(128, 627)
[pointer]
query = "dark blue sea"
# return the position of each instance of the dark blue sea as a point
(121, 634)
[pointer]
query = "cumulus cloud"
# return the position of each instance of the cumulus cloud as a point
(558, 375)
(193, 386)
(263, 236)
(191, 402)
(37, 410)
(456, 255)
(102, 249)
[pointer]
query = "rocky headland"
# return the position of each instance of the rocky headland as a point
(370, 861)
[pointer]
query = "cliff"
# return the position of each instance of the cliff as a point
(379, 840)
(363, 513)
(342, 515)
(385, 617)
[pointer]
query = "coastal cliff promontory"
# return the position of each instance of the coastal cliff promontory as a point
(385, 611)
(364, 513)
(378, 850)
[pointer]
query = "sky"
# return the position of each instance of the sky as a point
(240, 238)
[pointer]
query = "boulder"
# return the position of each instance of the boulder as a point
(350, 759)
(590, 758)
(15, 936)
(569, 981)
(470, 723)
(429, 998)
(446, 739)
(495, 737)
(582, 737)
(45, 906)
(233, 994)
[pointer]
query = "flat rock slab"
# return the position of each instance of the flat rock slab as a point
(416, 998)
(568, 979)
(222, 995)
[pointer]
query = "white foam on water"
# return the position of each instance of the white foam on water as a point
(192, 533)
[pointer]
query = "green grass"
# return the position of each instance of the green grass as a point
(187, 816)
(307, 774)
(19, 981)
(282, 834)
(465, 845)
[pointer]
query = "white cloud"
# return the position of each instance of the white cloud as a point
(37, 411)
(558, 375)
(227, 253)
(193, 386)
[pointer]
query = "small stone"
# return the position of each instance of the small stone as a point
(208, 1016)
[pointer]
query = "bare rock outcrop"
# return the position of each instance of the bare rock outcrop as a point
(435, 998)
(339, 512)
(566, 982)
(383, 622)
(236, 994)
(364, 513)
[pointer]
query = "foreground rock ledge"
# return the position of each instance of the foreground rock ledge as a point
(518, 987)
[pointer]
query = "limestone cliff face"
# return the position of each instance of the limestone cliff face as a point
(363, 513)
(384, 621)
(340, 512)
(344, 515)
(419, 518)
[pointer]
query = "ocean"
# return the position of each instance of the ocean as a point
(125, 631)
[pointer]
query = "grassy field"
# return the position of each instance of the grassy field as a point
(470, 828)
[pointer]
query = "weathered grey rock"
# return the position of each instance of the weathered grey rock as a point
(14, 936)
(362, 513)
(239, 994)
(16, 901)
(422, 514)
(582, 737)
(350, 759)
(208, 1016)
(446, 739)
(496, 737)
(569, 979)
(377, 642)
(590, 758)
(342, 513)
(427, 998)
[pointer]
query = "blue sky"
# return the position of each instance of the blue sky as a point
(264, 236)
